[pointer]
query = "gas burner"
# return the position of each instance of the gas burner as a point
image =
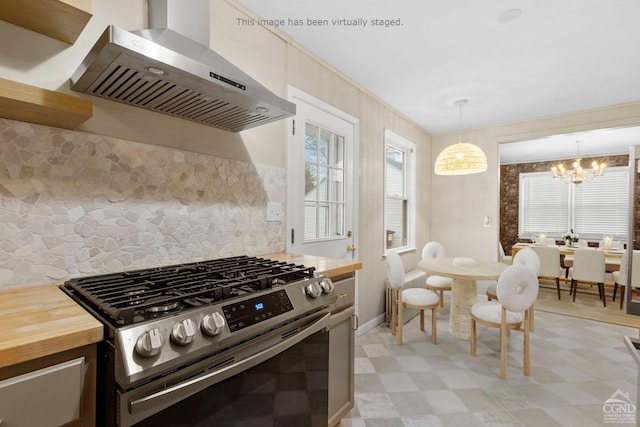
(163, 308)
(135, 296)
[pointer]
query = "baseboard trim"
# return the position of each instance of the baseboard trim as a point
(363, 329)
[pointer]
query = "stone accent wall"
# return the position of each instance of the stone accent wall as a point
(510, 188)
(77, 204)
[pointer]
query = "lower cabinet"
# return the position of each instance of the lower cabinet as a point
(51, 391)
(342, 353)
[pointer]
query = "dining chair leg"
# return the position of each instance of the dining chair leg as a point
(400, 322)
(434, 324)
(473, 336)
(622, 290)
(558, 286)
(531, 318)
(441, 298)
(503, 345)
(574, 288)
(526, 365)
(615, 290)
(394, 311)
(601, 288)
(422, 320)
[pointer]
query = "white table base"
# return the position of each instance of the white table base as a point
(463, 296)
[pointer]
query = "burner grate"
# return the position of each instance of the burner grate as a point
(130, 297)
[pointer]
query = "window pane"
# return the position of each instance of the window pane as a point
(601, 207)
(310, 221)
(396, 220)
(395, 172)
(323, 146)
(544, 205)
(324, 183)
(323, 221)
(399, 182)
(310, 181)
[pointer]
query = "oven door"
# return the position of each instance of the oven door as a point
(278, 380)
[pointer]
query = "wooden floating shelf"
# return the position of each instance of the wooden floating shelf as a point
(26, 103)
(60, 19)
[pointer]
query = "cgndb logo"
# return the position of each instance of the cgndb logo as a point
(618, 408)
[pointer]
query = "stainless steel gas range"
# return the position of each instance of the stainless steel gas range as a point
(227, 342)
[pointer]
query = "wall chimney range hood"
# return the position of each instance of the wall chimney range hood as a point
(163, 70)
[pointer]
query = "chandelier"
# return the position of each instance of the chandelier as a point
(578, 174)
(461, 158)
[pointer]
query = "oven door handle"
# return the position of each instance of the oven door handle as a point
(185, 389)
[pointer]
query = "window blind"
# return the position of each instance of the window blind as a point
(591, 209)
(601, 208)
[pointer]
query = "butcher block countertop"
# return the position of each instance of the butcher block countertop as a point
(37, 321)
(331, 267)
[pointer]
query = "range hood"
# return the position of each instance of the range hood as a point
(162, 70)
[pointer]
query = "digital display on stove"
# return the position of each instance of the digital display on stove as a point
(255, 310)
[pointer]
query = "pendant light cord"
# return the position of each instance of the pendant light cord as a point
(460, 124)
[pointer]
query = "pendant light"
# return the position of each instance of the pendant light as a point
(461, 158)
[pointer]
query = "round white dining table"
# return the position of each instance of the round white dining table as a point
(463, 290)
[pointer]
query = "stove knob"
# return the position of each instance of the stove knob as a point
(313, 289)
(184, 332)
(149, 343)
(212, 324)
(326, 285)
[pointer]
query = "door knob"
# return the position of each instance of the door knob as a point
(351, 248)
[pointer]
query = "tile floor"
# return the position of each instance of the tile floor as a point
(576, 365)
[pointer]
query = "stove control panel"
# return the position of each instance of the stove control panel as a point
(255, 310)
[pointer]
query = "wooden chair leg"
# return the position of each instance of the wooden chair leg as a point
(622, 292)
(601, 289)
(526, 366)
(434, 329)
(574, 289)
(615, 290)
(394, 311)
(441, 298)
(503, 345)
(558, 286)
(473, 336)
(400, 321)
(532, 315)
(422, 320)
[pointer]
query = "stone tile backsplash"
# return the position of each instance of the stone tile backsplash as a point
(76, 204)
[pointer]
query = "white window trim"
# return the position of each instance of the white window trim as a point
(409, 148)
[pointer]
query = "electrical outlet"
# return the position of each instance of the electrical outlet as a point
(274, 211)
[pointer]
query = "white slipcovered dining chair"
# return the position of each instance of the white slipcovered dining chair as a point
(550, 267)
(620, 277)
(524, 256)
(588, 267)
(416, 298)
(517, 290)
(506, 259)
(436, 283)
(527, 257)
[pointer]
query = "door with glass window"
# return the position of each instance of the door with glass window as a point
(321, 199)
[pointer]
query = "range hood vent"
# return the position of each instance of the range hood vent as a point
(164, 71)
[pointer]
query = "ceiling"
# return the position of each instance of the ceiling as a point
(511, 59)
